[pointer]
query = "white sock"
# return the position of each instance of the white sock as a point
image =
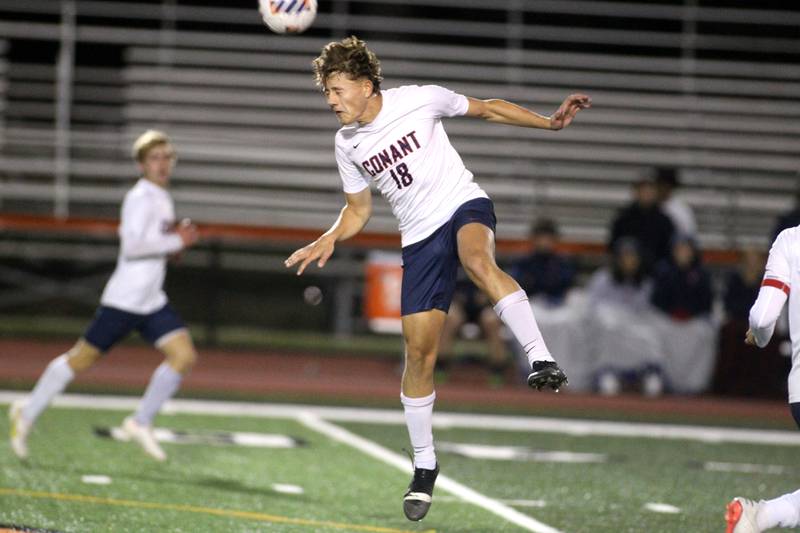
(162, 387)
(516, 313)
(783, 511)
(53, 380)
(419, 416)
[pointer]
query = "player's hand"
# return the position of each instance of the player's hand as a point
(319, 251)
(187, 232)
(568, 109)
(749, 338)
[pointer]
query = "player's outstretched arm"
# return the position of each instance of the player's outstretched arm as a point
(504, 112)
(352, 219)
(764, 315)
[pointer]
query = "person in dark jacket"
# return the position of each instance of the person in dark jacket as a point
(682, 293)
(644, 220)
(544, 273)
(682, 285)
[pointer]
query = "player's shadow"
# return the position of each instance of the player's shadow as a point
(213, 482)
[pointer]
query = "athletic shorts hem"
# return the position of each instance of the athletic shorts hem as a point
(166, 337)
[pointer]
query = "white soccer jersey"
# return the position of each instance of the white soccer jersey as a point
(406, 152)
(146, 238)
(781, 281)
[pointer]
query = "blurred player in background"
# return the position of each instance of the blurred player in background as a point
(133, 299)
(395, 138)
(782, 275)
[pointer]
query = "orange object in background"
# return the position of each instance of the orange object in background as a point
(383, 278)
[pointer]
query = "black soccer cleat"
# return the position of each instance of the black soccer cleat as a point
(546, 374)
(417, 499)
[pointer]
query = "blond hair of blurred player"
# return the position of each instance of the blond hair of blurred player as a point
(133, 299)
(781, 282)
(395, 139)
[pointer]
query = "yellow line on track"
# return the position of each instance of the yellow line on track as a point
(261, 517)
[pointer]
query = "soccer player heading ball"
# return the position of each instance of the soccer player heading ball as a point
(395, 138)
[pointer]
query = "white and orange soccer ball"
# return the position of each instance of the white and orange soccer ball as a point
(288, 16)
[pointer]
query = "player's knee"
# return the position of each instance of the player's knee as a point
(796, 412)
(419, 358)
(182, 361)
(419, 352)
(82, 356)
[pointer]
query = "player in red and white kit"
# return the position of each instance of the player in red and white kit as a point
(395, 139)
(133, 299)
(781, 282)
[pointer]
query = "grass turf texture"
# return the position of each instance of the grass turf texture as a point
(348, 491)
(610, 497)
(344, 490)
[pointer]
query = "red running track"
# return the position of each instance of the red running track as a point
(361, 379)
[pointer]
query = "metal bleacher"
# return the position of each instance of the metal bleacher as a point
(673, 87)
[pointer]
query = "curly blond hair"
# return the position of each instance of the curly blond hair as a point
(350, 57)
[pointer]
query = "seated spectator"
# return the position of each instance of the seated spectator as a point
(742, 369)
(625, 345)
(676, 208)
(742, 285)
(547, 277)
(683, 294)
(625, 283)
(543, 273)
(643, 220)
(682, 285)
(472, 314)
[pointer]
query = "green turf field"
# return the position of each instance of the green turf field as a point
(349, 475)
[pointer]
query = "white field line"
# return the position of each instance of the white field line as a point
(443, 482)
(662, 508)
(442, 420)
(515, 503)
(745, 468)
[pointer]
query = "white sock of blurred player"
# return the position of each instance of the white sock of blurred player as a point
(516, 313)
(419, 419)
(53, 381)
(783, 511)
(163, 385)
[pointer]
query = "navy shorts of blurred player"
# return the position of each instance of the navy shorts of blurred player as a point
(111, 325)
(430, 267)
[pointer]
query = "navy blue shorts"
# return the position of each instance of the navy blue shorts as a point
(111, 325)
(430, 266)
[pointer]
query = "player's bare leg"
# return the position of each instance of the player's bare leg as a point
(421, 332)
(58, 374)
(456, 317)
(180, 357)
(476, 253)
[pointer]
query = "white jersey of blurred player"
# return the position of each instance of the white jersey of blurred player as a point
(407, 143)
(781, 282)
(146, 237)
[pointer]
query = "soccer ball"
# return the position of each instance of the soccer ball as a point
(288, 16)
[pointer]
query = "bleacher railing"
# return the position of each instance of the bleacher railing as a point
(713, 91)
